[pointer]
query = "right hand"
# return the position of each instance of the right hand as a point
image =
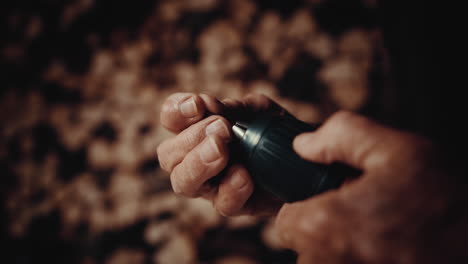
(199, 152)
(407, 206)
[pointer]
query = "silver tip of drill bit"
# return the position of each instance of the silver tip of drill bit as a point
(239, 129)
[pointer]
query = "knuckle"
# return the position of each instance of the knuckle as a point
(299, 219)
(164, 116)
(181, 183)
(159, 150)
(167, 112)
(342, 116)
(172, 102)
(225, 209)
(231, 102)
(311, 224)
(324, 154)
(187, 137)
(282, 218)
(252, 95)
(261, 100)
(175, 187)
(257, 96)
(227, 202)
(167, 107)
(193, 170)
(344, 120)
(161, 153)
(221, 210)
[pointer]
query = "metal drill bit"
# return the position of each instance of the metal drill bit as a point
(239, 129)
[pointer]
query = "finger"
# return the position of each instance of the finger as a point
(314, 225)
(232, 103)
(259, 102)
(212, 104)
(234, 109)
(181, 110)
(205, 161)
(233, 191)
(252, 103)
(172, 151)
(348, 138)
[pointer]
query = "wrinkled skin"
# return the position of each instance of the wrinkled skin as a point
(408, 206)
(201, 151)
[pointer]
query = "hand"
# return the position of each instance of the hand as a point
(405, 208)
(198, 157)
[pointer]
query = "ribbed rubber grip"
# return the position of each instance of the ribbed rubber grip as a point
(275, 165)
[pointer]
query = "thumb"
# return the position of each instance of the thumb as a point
(348, 138)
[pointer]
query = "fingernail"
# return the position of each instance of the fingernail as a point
(209, 150)
(237, 181)
(217, 128)
(188, 108)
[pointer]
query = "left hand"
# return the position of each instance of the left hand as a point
(200, 158)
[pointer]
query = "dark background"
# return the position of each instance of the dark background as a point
(82, 83)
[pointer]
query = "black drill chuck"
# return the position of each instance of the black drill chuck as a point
(275, 166)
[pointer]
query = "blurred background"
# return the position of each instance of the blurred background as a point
(82, 85)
